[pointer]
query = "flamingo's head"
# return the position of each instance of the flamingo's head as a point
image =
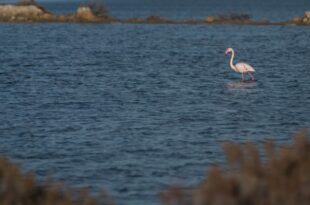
(228, 51)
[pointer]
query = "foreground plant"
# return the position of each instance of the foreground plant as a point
(283, 178)
(22, 189)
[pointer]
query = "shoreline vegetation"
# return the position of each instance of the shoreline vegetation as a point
(278, 176)
(27, 11)
(281, 177)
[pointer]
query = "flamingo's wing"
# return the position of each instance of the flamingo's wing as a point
(244, 67)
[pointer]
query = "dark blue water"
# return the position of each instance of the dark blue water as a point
(135, 108)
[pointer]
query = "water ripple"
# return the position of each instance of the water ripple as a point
(136, 112)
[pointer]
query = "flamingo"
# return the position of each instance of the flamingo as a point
(240, 67)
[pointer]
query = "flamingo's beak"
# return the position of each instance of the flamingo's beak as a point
(226, 53)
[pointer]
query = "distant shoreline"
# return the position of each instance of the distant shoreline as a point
(34, 13)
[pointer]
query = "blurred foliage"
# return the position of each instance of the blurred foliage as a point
(22, 189)
(282, 179)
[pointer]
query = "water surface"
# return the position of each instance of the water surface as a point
(135, 108)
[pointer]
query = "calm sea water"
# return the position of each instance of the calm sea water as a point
(135, 108)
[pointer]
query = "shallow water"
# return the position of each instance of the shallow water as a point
(135, 108)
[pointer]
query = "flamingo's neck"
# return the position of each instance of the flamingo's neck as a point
(232, 60)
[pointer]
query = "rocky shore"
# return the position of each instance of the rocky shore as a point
(35, 13)
(305, 20)
(88, 14)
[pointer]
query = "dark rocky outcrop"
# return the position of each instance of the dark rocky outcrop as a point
(158, 19)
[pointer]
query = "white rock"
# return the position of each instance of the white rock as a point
(85, 13)
(12, 10)
(306, 20)
(84, 9)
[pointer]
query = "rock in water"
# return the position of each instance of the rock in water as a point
(210, 19)
(14, 12)
(297, 20)
(306, 19)
(85, 13)
(307, 14)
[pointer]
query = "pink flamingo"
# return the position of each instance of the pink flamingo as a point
(240, 67)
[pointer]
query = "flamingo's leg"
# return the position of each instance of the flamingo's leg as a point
(242, 77)
(251, 75)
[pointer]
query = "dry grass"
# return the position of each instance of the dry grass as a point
(22, 189)
(282, 179)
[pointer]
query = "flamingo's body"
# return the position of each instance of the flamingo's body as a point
(240, 67)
